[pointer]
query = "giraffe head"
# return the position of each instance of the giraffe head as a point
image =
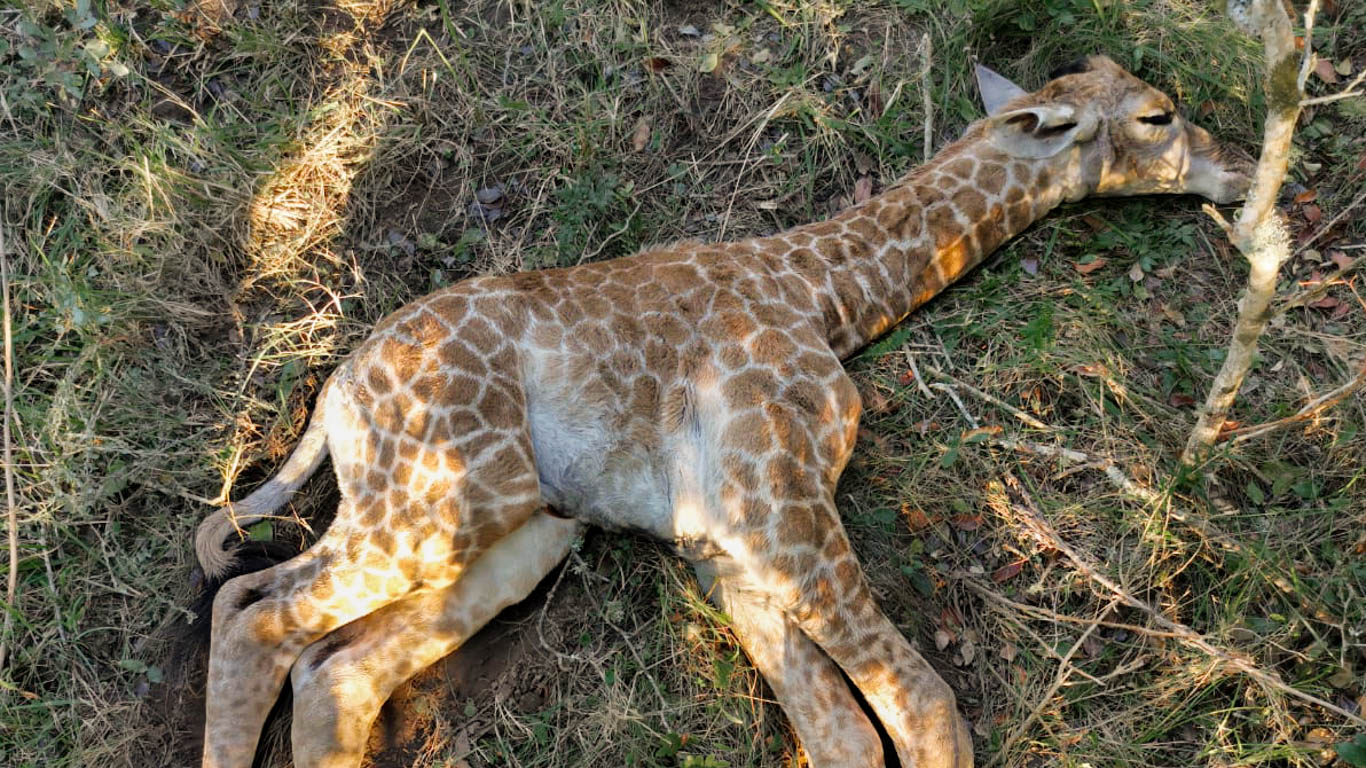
(1102, 131)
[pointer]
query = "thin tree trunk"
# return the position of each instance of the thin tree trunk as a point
(1258, 232)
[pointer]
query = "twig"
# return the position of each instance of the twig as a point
(996, 401)
(926, 54)
(1307, 63)
(1316, 290)
(1219, 219)
(1196, 521)
(1051, 615)
(1049, 537)
(1309, 411)
(1336, 218)
(1113, 473)
(948, 390)
(919, 380)
(1343, 94)
(12, 585)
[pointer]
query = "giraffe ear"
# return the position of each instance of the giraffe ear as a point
(995, 89)
(1041, 131)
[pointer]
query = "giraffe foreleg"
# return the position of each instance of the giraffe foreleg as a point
(832, 728)
(341, 681)
(830, 601)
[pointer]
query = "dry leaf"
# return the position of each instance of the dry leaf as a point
(1136, 273)
(1007, 571)
(967, 651)
(1181, 401)
(708, 63)
(641, 136)
(1307, 196)
(916, 519)
(1088, 268)
(863, 189)
(1008, 652)
(1344, 67)
(1030, 265)
(907, 378)
(1312, 214)
(967, 522)
(942, 638)
(1092, 646)
(1327, 302)
(657, 63)
(1341, 259)
(761, 56)
(1343, 678)
(1324, 70)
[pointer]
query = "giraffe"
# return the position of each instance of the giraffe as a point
(694, 392)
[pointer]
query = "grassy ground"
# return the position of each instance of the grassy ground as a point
(206, 206)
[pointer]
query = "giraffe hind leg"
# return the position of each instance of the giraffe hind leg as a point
(371, 556)
(341, 681)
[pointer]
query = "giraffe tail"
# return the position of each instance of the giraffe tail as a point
(222, 523)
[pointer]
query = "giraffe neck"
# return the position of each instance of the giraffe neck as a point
(873, 263)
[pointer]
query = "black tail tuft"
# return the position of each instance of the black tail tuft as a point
(251, 557)
(1074, 67)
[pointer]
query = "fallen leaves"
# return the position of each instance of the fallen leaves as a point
(916, 519)
(1090, 266)
(966, 522)
(1007, 571)
(1325, 71)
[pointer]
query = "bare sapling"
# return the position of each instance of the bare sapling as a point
(1259, 231)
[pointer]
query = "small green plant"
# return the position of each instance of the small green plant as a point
(592, 219)
(57, 57)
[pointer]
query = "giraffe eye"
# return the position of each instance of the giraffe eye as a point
(1163, 118)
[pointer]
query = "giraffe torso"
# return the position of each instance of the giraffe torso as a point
(627, 371)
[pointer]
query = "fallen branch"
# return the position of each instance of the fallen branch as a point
(1313, 292)
(1315, 407)
(1339, 216)
(1047, 536)
(1209, 533)
(1347, 92)
(1064, 668)
(996, 401)
(1048, 614)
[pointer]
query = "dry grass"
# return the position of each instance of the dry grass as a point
(195, 243)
